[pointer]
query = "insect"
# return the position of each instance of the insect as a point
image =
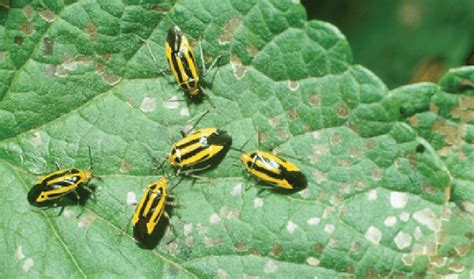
(200, 150)
(150, 209)
(51, 188)
(274, 170)
(180, 56)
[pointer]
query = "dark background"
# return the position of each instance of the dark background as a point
(403, 41)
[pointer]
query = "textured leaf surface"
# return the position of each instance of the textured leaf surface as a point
(382, 170)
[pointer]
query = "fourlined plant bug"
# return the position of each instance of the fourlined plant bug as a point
(52, 188)
(199, 151)
(149, 211)
(273, 170)
(183, 66)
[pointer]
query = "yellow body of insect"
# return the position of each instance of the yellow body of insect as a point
(274, 170)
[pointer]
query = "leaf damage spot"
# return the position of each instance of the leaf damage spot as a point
(86, 221)
(408, 259)
(276, 250)
(27, 264)
(222, 274)
(131, 198)
(148, 104)
(312, 261)
(355, 246)
(236, 190)
(35, 141)
(237, 67)
(390, 221)
(69, 213)
(315, 99)
(229, 29)
(293, 85)
(398, 199)
(28, 11)
(428, 218)
(48, 46)
(229, 213)
(91, 29)
(409, 14)
(48, 15)
(27, 28)
(252, 50)
(404, 216)
(318, 175)
(240, 246)
(184, 112)
(313, 221)
(293, 114)
(125, 166)
(417, 233)
(462, 249)
(402, 240)
(270, 267)
(372, 195)
(212, 241)
(329, 228)
(257, 202)
(456, 267)
(187, 229)
(343, 111)
(172, 103)
(19, 253)
(111, 78)
(18, 40)
(373, 235)
(291, 227)
(214, 218)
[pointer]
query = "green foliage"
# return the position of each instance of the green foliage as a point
(390, 172)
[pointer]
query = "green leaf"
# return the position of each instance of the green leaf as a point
(390, 188)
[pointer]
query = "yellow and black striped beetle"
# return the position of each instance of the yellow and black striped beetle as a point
(51, 188)
(274, 170)
(150, 209)
(200, 150)
(182, 62)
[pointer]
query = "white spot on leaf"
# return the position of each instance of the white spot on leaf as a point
(427, 217)
(402, 240)
(417, 233)
(214, 219)
(36, 139)
(237, 190)
(390, 221)
(257, 202)
(404, 216)
(222, 274)
(172, 103)
(398, 199)
(19, 253)
(291, 227)
(148, 104)
(372, 195)
(86, 221)
(184, 112)
(69, 213)
(28, 264)
(188, 228)
(131, 198)
(312, 261)
(313, 221)
(293, 85)
(408, 259)
(374, 235)
(329, 228)
(270, 267)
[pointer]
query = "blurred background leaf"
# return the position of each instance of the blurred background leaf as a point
(403, 41)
